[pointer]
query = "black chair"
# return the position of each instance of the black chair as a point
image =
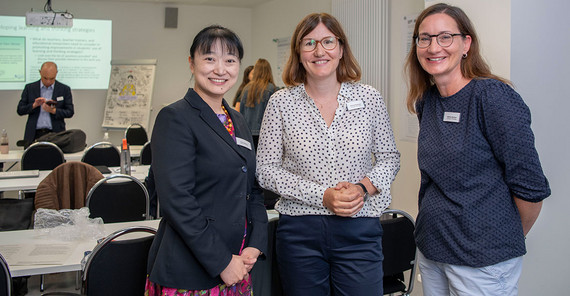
(265, 273)
(270, 198)
(42, 156)
(118, 267)
(136, 134)
(102, 154)
(16, 214)
(146, 154)
(118, 198)
(399, 248)
(5, 278)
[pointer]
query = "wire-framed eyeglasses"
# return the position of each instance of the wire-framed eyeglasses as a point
(443, 39)
(328, 43)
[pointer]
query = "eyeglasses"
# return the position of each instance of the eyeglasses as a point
(443, 39)
(328, 43)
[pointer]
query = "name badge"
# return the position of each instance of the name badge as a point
(451, 116)
(354, 105)
(243, 143)
(59, 99)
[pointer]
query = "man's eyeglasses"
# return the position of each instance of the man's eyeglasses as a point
(328, 43)
(443, 39)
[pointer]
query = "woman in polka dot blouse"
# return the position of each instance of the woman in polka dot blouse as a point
(327, 148)
(482, 184)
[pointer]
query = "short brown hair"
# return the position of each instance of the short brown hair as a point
(295, 74)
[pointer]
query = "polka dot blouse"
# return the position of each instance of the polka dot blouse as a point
(299, 156)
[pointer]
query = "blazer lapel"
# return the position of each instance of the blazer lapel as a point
(212, 120)
(55, 90)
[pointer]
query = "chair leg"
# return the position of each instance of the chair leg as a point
(41, 282)
(78, 280)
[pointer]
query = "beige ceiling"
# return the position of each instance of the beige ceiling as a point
(227, 3)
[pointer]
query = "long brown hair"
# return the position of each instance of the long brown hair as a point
(262, 76)
(472, 67)
(294, 73)
(244, 82)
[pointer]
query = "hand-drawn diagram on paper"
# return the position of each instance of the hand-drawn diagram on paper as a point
(129, 95)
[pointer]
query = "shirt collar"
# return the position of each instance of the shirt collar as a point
(343, 98)
(343, 93)
(43, 86)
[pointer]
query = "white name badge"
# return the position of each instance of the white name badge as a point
(59, 99)
(354, 105)
(451, 116)
(243, 143)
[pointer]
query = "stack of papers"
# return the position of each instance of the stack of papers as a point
(37, 254)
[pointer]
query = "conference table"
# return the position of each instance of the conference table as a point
(31, 183)
(32, 240)
(31, 251)
(16, 155)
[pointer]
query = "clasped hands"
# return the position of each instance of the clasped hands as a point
(240, 266)
(345, 199)
(41, 101)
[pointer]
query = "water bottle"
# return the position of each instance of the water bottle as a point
(4, 145)
(106, 137)
(125, 158)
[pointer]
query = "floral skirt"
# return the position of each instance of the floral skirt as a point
(239, 289)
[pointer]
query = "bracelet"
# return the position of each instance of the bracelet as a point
(363, 189)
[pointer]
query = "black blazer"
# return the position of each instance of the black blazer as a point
(206, 187)
(64, 108)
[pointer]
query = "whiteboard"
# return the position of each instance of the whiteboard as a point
(129, 94)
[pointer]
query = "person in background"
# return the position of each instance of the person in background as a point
(247, 77)
(482, 184)
(214, 224)
(47, 103)
(327, 148)
(256, 95)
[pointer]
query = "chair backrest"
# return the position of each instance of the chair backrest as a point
(146, 154)
(5, 278)
(42, 156)
(118, 198)
(136, 134)
(266, 272)
(16, 214)
(67, 186)
(399, 248)
(102, 153)
(118, 267)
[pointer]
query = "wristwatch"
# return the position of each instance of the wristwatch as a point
(366, 195)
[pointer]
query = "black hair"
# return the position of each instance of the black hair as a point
(207, 36)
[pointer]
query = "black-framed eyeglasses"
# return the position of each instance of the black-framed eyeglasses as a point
(443, 39)
(328, 43)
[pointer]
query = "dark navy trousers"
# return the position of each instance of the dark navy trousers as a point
(330, 255)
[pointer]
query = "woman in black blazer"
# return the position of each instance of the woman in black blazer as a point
(214, 224)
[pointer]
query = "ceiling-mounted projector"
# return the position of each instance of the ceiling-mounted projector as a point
(49, 19)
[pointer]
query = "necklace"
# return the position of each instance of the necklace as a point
(228, 123)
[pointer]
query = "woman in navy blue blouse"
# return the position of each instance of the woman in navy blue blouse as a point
(482, 184)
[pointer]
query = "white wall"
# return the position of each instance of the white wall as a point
(540, 69)
(278, 19)
(405, 187)
(138, 33)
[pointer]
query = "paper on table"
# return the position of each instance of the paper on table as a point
(37, 254)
